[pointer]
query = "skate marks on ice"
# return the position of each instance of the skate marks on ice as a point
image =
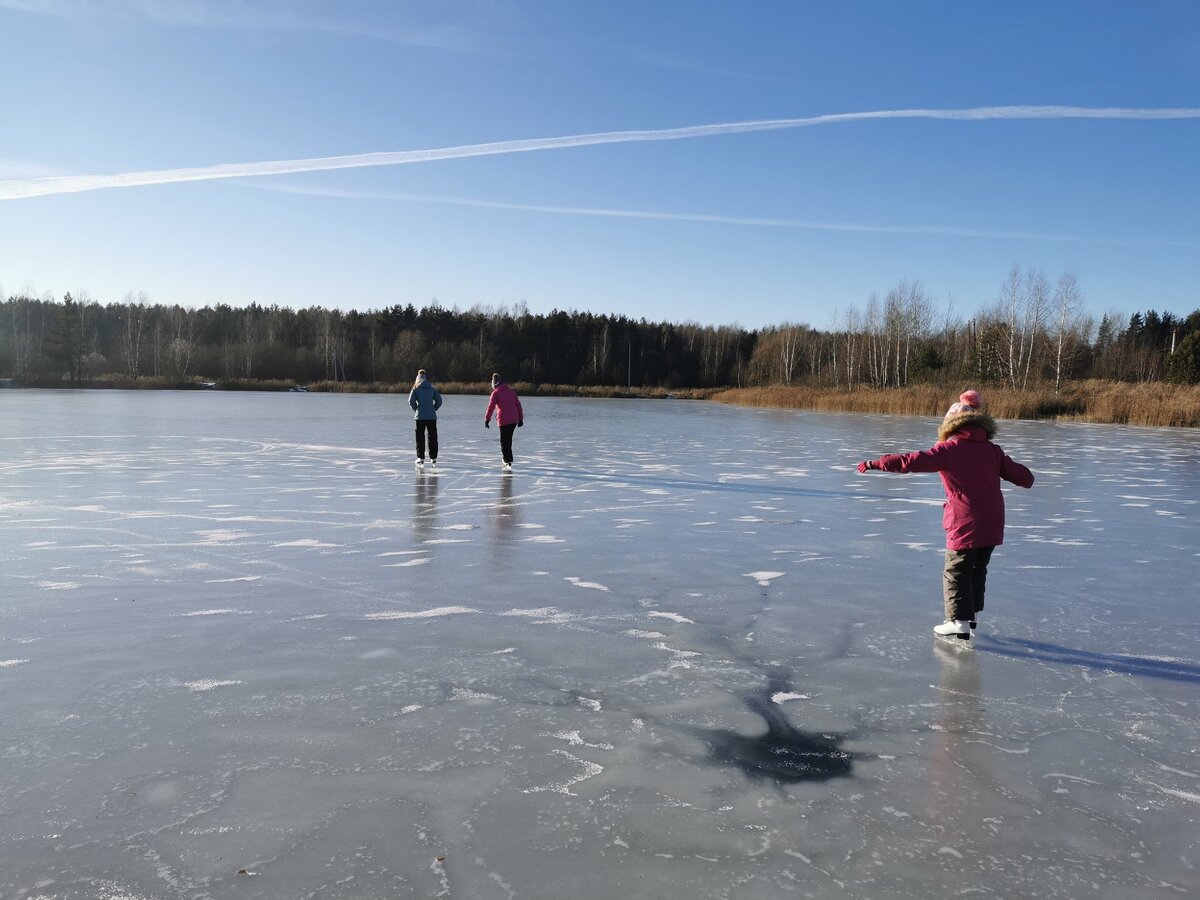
(613, 693)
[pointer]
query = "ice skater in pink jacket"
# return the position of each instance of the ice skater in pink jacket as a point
(971, 467)
(509, 415)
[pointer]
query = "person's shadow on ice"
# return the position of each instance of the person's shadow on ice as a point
(1145, 667)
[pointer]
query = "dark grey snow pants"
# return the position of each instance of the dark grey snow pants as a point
(963, 581)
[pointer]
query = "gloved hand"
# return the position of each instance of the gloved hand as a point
(867, 464)
(487, 423)
(521, 424)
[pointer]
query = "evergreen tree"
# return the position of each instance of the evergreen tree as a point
(1183, 366)
(65, 345)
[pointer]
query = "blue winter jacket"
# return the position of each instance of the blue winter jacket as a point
(425, 401)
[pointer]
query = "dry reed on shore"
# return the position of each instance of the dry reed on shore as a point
(1110, 402)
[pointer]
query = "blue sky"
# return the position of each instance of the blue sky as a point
(752, 227)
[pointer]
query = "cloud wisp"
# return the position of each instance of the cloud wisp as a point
(241, 14)
(713, 219)
(40, 187)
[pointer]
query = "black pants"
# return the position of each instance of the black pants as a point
(964, 580)
(426, 425)
(506, 432)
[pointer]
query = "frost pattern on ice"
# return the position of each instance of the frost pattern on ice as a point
(390, 615)
(765, 578)
(207, 612)
(674, 617)
(447, 686)
(209, 684)
(592, 585)
(468, 694)
(589, 770)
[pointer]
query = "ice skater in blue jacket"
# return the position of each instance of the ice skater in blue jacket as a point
(425, 402)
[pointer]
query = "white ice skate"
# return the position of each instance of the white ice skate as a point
(954, 629)
(420, 463)
(433, 466)
(508, 468)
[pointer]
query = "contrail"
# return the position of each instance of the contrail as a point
(40, 187)
(709, 218)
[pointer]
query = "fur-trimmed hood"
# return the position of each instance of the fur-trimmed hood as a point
(966, 419)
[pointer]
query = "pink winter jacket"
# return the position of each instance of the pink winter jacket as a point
(971, 467)
(507, 405)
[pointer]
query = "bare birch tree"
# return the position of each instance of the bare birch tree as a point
(1068, 302)
(133, 330)
(1036, 300)
(789, 351)
(183, 342)
(850, 345)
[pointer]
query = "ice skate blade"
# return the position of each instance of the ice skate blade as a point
(956, 641)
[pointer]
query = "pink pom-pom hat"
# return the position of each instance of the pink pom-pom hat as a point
(967, 401)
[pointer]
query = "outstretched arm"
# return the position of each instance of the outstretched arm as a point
(930, 460)
(1013, 471)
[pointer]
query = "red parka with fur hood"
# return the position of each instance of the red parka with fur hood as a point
(971, 467)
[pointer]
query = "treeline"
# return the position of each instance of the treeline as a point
(80, 340)
(1035, 332)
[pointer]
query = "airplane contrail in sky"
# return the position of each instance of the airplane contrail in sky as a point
(709, 218)
(66, 184)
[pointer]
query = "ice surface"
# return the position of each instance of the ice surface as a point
(683, 651)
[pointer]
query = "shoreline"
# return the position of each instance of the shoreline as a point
(1100, 402)
(1154, 404)
(483, 388)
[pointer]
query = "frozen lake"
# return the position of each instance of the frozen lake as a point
(683, 652)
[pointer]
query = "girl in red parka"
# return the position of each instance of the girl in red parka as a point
(971, 467)
(509, 416)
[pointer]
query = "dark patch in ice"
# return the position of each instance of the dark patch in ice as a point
(784, 753)
(1021, 648)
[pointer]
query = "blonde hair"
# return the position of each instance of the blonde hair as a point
(420, 374)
